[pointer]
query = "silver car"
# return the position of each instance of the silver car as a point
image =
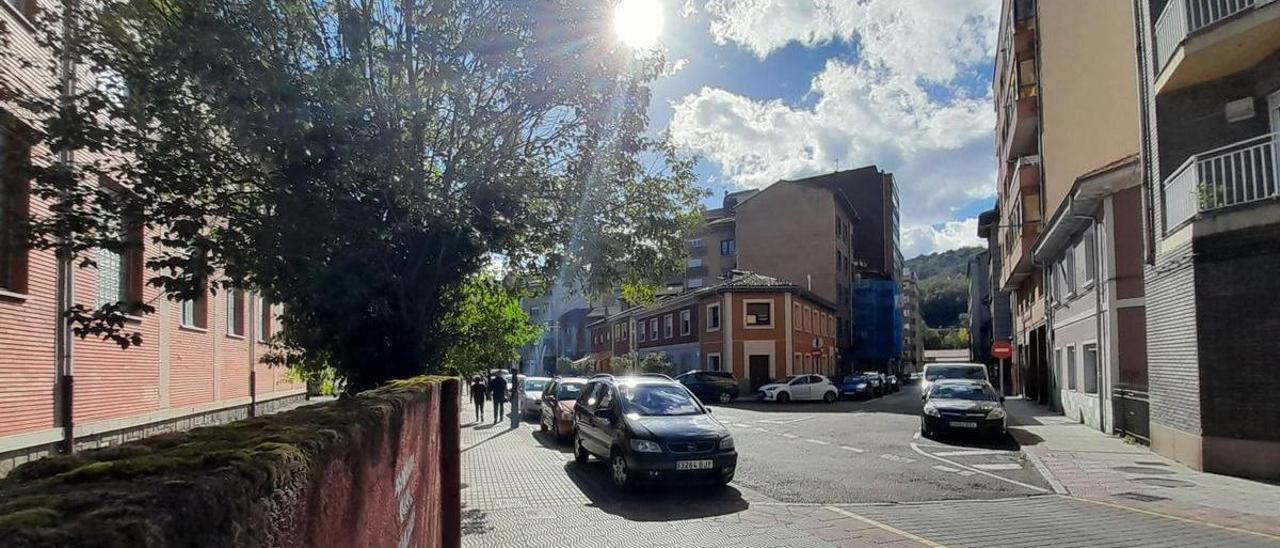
(530, 394)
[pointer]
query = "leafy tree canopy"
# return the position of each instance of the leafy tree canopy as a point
(486, 328)
(356, 161)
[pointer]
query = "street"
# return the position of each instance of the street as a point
(853, 473)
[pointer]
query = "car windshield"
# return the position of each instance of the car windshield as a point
(569, 391)
(658, 400)
(535, 385)
(970, 373)
(963, 392)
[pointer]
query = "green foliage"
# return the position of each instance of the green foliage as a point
(566, 367)
(946, 339)
(357, 162)
(639, 293)
(947, 263)
(486, 328)
(944, 285)
(633, 363)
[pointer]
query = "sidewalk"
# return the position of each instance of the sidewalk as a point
(1087, 464)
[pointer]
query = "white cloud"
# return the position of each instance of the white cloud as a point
(919, 240)
(674, 67)
(930, 39)
(900, 105)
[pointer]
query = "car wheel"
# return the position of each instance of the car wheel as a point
(619, 472)
(726, 397)
(924, 429)
(580, 454)
(783, 397)
(829, 397)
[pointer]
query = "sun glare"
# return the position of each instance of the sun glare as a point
(638, 23)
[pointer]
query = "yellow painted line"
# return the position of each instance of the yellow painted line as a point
(885, 527)
(1178, 518)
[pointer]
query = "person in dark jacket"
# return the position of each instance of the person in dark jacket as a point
(498, 391)
(479, 392)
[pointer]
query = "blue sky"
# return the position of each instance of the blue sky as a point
(769, 89)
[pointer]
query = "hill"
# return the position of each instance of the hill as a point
(944, 285)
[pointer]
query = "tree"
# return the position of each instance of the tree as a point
(634, 364)
(357, 162)
(486, 328)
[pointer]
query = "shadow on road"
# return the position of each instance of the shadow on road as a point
(971, 440)
(548, 441)
(654, 502)
(905, 402)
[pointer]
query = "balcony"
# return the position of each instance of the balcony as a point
(1025, 176)
(1197, 41)
(1021, 221)
(1020, 121)
(1236, 174)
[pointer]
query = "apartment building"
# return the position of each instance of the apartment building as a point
(198, 362)
(1210, 87)
(713, 251)
(913, 326)
(877, 244)
(996, 303)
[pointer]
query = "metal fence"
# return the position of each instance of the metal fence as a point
(1239, 173)
(1183, 17)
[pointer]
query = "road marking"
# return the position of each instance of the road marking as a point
(965, 473)
(791, 436)
(969, 453)
(1006, 466)
(916, 436)
(946, 468)
(917, 449)
(896, 458)
(889, 528)
(817, 442)
(784, 421)
(854, 449)
(1179, 518)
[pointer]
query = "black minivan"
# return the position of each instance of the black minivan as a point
(709, 386)
(650, 428)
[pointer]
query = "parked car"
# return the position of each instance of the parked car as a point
(856, 386)
(530, 392)
(556, 405)
(968, 371)
(648, 428)
(708, 386)
(877, 382)
(800, 387)
(892, 383)
(962, 405)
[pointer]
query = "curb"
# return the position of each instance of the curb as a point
(1044, 471)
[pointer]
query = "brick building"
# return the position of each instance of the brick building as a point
(198, 363)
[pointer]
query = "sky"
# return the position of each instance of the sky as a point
(762, 90)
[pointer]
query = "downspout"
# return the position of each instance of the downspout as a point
(65, 288)
(1144, 132)
(253, 348)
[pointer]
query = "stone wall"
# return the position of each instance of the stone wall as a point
(378, 469)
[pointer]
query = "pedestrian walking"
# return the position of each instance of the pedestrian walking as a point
(498, 391)
(479, 392)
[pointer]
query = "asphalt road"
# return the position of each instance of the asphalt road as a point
(868, 451)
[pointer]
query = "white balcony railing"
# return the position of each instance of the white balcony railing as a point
(1235, 174)
(1180, 18)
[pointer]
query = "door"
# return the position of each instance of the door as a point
(603, 420)
(758, 370)
(799, 388)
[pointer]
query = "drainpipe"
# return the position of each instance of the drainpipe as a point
(65, 284)
(253, 354)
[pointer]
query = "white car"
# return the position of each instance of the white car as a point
(954, 371)
(800, 388)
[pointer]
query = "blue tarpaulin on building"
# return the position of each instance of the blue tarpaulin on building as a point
(877, 320)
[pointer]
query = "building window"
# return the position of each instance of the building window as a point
(120, 270)
(265, 318)
(1071, 367)
(640, 332)
(695, 243)
(686, 322)
(15, 192)
(695, 263)
(693, 283)
(1090, 256)
(797, 317)
(1090, 357)
(713, 317)
(798, 363)
(713, 362)
(1069, 272)
(759, 314)
(668, 326)
(235, 313)
(195, 311)
(727, 248)
(653, 329)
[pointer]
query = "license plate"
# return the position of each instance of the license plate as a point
(956, 424)
(695, 464)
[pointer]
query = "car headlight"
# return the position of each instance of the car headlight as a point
(932, 411)
(771, 389)
(726, 443)
(996, 413)
(861, 385)
(646, 446)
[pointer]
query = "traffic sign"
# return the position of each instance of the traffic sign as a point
(1002, 350)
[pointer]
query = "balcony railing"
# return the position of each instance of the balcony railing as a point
(1180, 18)
(1235, 174)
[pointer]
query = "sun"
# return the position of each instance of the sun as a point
(638, 23)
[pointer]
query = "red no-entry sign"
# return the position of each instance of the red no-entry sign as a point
(1001, 350)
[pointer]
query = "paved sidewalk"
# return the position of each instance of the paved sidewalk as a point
(1085, 463)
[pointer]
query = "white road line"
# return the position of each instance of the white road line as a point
(969, 453)
(917, 449)
(791, 436)
(965, 473)
(916, 436)
(1006, 466)
(889, 528)
(896, 458)
(817, 442)
(854, 449)
(946, 468)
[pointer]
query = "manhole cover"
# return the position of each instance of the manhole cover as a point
(1141, 497)
(1142, 470)
(1164, 482)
